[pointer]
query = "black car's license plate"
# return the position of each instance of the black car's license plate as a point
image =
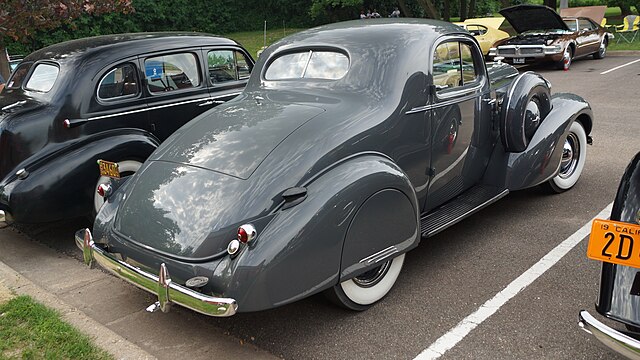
(108, 168)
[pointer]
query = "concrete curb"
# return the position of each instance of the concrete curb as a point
(106, 339)
(623, 53)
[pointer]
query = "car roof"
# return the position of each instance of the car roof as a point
(123, 45)
(371, 32)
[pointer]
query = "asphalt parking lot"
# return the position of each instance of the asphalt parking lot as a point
(444, 280)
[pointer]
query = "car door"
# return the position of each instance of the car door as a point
(459, 84)
(117, 101)
(175, 88)
(589, 34)
(227, 72)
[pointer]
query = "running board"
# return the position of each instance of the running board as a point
(466, 204)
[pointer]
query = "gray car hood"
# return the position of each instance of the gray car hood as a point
(533, 17)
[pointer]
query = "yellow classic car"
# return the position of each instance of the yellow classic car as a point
(485, 30)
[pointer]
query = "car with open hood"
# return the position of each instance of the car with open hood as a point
(544, 36)
(485, 30)
(112, 97)
(351, 143)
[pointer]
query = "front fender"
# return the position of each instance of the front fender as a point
(540, 161)
(304, 248)
(62, 187)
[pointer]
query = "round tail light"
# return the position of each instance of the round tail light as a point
(246, 233)
(104, 190)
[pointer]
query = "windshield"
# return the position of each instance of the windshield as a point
(543, 31)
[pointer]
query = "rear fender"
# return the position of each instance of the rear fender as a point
(304, 247)
(62, 187)
(540, 160)
(615, 298)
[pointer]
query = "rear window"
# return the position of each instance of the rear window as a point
(43, 77)
(327, 65)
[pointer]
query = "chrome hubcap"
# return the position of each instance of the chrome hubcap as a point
(373, 276)
(570, 156)
(603, 48)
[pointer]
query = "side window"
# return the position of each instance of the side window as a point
(171, 72)
(446, 66)
(221, 64)
(244, 66)
(119, 82)
(43, 78)
(468, 67)
(453, 65)
(18, 75)
(227, 65)
(585, 24)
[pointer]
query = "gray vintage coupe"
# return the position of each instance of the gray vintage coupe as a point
(350, 144)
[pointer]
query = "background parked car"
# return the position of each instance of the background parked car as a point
(543, 36)
(485, 30)
(112, 97)
(351, 142)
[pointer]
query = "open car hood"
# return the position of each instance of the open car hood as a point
(533, 17)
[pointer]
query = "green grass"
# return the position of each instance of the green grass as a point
(29, 330)
(254, 40)
(623, 45)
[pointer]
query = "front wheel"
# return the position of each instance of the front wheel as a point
(567, 57)
(364, 290)
(574, 154)
(126, 168)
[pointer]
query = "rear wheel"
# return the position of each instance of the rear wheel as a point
(126, 168)
(364, 290)
(602, 51)
(574, 154)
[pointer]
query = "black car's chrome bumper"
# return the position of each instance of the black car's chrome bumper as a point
(614, 340)
(167, 291)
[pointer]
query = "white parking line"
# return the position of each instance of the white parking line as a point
(464, 327)
(618, 67)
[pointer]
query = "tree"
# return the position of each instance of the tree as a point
(20, 19)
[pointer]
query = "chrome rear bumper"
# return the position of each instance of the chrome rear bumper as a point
(167, 291)
(614, 340)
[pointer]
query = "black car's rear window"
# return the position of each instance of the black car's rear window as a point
(43, 77)
(327, 65)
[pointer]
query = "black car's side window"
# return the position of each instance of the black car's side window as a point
(453, 65)
(171, 72)
(121, 81)
(227, 65)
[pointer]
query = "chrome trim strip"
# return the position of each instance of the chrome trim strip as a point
(172, 293)
(15, 104)
(162, 106)
(424, 108)
(612, 339)
(380, 255)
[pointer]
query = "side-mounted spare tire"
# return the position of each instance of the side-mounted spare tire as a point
(524, 107)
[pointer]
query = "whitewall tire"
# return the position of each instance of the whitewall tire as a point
(574, 155)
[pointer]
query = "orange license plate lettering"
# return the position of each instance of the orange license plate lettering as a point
(614, 242)
(108, 168)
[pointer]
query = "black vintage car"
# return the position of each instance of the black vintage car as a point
(113, 98)
(616, 242)
(350, 143)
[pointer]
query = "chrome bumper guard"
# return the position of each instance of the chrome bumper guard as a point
(161, 285)
(614, 340)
